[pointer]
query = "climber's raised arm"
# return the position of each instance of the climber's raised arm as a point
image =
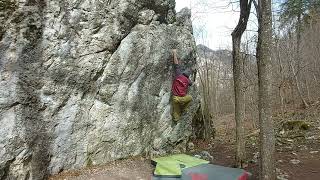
(175, 58)
(176, 65)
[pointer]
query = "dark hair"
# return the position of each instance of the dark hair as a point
(187, 72)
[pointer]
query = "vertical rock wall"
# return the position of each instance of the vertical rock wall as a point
(85, 82)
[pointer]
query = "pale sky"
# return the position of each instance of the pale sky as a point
(217, 18)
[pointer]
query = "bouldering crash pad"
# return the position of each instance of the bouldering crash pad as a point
(185, 167)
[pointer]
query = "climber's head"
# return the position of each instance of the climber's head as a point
(187, 72)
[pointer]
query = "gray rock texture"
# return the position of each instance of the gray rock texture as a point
(85, 82)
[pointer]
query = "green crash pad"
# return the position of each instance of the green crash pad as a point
(171, 169)
(172, 165)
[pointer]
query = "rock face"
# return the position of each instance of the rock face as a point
(85, 82)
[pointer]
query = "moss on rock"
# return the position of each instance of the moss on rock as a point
(295, 125)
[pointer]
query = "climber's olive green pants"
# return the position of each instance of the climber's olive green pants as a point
(179, 104)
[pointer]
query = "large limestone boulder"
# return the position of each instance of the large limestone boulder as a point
(85, 82)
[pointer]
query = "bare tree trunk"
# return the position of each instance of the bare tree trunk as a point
(297, 85)
(267, 137)
(308, 90)
(205, 110)
(298, 58)
(217, 89)
(209, 127)
(281, 100)
(239, 101)
(213, 90)
(238, 76)
(282, 81)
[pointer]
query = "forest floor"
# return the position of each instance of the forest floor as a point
(297, 144)
(297, 150)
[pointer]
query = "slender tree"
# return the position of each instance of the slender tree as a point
(238, 75)
(267, 136)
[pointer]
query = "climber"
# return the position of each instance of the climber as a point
(180, 99)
